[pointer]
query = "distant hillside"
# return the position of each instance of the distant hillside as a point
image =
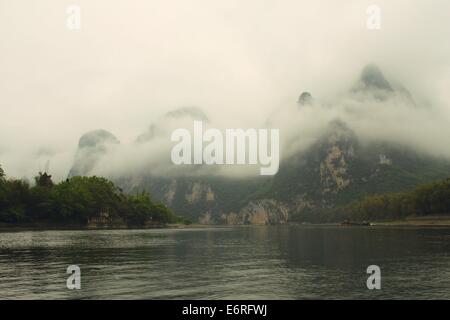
(334, 171)
(429, 199)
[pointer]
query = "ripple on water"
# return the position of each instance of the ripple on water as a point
(226, 263)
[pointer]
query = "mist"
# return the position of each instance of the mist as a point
(243, 64)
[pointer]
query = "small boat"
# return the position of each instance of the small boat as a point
(353, 223)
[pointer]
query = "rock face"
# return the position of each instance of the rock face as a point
(92, 146)
(199, 192)
(338, 147)
(261, 212)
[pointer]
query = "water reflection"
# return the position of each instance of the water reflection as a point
(283, 262)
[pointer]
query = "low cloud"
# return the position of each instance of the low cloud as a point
(243, 64)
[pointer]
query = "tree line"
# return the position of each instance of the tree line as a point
(76, 201)
(427, 199)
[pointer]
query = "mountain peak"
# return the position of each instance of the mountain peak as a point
(96, 137)
(92, 147)
(305, 99)
(372, 77)
(160, 126)
(190, 112)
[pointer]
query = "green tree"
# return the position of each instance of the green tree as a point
(44, 180)
(2, 175)
(3, 198)
(75, 201)
(80, 198)
(16, 198)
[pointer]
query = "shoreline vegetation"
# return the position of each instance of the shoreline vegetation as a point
(78, 202)
(95, 203)
(413, 222)
(432, 221)
(53, 227)
(425, 202)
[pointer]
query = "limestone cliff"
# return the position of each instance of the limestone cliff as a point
(260, 212)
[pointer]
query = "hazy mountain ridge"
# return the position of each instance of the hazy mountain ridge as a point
(334, 170)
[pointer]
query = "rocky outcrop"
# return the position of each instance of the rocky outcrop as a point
(338, 148)
(384, 160)
(260, 212)
(199, 192)
(171, 192)
(206, 218)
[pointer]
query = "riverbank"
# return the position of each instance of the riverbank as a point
(426, 221)
(423, 221)
(44, 227)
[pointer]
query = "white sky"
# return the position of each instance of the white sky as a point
(132, 61)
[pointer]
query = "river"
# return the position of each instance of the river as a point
(268, 262)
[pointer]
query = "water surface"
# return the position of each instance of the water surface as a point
(279, 262)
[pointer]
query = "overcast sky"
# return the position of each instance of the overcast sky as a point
(132, 61)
